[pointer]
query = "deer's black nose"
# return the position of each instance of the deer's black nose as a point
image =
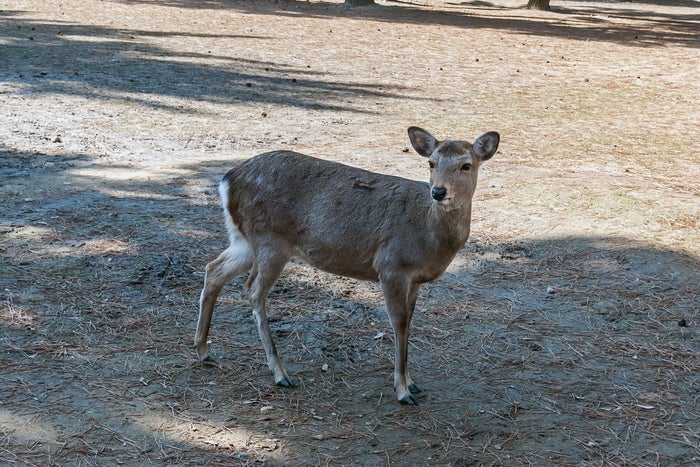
(438, 194)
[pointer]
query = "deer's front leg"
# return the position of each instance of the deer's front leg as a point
(399, 297)
(412, 298)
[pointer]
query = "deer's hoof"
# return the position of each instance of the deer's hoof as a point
(285, 382)
(414, 389)
(208, 360)
(408, 400)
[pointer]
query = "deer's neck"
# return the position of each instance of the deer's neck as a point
(451, 227)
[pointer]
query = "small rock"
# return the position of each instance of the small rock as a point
(682, 323)
(551, 290)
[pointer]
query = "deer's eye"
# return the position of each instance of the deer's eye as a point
(466, 167)
(431, 164)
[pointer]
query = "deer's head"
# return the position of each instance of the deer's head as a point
(454, 165)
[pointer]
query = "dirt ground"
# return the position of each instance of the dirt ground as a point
(565, 333)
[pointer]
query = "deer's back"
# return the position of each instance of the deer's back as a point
(336, 217)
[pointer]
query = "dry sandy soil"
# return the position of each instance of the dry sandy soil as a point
(565, 333)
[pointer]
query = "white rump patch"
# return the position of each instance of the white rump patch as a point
(239, 250)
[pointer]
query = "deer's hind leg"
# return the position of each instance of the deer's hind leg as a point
(233, 261)
(267, 268)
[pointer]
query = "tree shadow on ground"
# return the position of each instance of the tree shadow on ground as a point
(531, 348)
(60, 58)
(591, 336)
(100, 276)
(95, 271)
(664, 29)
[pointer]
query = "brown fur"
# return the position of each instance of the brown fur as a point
(346, 221)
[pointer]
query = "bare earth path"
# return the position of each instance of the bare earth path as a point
(565, 333)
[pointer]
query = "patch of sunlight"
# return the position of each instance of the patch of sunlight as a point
(89, 38)
(137, 194)
(28, 428)
(143, 181)
(11, 314)
(30, 232)
(108, 245)
(177, 430)
(39, 240)
(193, 233)
(124, 174)
(93, 247)
(208, 434)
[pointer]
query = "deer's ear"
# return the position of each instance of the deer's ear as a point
(423, 142)
(485, 145)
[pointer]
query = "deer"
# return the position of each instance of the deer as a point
(346, 221)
